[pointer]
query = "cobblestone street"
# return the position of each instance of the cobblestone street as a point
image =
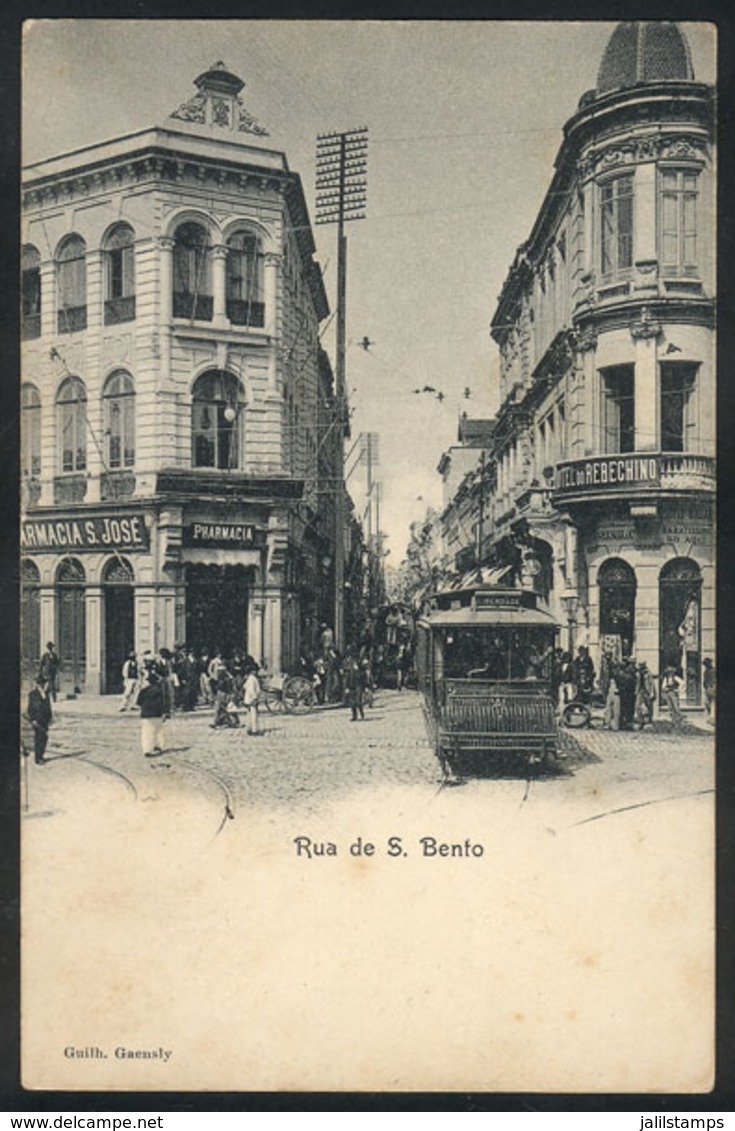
(308, 764)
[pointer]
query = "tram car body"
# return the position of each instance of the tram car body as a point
(484, 660)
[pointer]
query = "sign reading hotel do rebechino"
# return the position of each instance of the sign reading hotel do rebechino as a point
(607, 471)
(123, 532)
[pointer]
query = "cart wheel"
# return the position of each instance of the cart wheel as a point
(575, 715)
(298, 695)
(274, 703)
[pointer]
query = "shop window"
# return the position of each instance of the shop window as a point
(678, 191)
(217, 421)
(119, 411)
(119, 275)
(616, 225)
(617, 585)
(72, 425)
(30, 292)
(677, 419)
(72, 285)
(618, 408)
(680, 610)
(245, 280)
(30, 431)
(192, 296)
(30, 617)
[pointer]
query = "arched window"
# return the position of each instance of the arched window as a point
(119, 275)
(617, 584)
(245, 280)
(30, 292)
(30, 431)
(192, 292)
(72, 285)
(217, 403)
(119, 405)
(72, 423)
(680, 614)
(30, 616)
(118, 571)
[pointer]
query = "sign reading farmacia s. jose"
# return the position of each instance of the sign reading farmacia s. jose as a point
(121, 532)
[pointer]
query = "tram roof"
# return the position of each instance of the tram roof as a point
(487, 618)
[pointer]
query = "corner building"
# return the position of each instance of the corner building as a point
(604, 445)
(174, 396)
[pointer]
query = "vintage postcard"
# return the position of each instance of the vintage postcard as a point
(367, 556)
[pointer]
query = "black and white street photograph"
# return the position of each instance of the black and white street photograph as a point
(367, 555)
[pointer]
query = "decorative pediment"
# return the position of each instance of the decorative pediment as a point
(218, 104)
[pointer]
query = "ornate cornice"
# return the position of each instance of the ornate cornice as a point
(642, 149)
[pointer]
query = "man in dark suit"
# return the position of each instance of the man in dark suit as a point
(40, 715)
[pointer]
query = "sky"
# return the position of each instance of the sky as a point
(464, 121)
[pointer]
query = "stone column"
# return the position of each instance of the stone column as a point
(94, 627)
(165, 251)
(145, 618)
(645, 386)
(48, 299)
(270, 298)
(256, 648)
(219, 284)
(47, 618)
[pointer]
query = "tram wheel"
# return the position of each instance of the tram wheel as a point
(575, 715)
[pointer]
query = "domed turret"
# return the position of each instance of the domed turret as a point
(644, 51)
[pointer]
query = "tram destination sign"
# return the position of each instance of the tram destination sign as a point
(604, 472)
(118, 532)
(213, 534)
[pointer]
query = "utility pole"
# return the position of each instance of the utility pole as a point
(341, 195)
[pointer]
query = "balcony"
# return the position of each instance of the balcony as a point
(243, 313)
(30, 326)
(633, 475)
(69, 489)
(71, 319)
(119, 310)
(198, 308)
(116, 485)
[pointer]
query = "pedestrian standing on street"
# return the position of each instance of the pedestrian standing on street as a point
(49, 670)
(353, 679)
(567, 688)
(670, 696)
(626, 679)
(251, 696)
(153, 712)
(612, 703)
(645, 696)
(225, 708)
(40, 715)
(709, 684)
(130, 682)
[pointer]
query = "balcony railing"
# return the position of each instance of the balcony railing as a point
(72, 318)
(30, 326)
(197, 307)
(632, 474)
(243, 313)
(119, 310)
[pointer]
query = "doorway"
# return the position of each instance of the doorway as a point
(30, 620)
(217, 608)
(617, 585)
(680, 606)
(71, 626)
(119, 621)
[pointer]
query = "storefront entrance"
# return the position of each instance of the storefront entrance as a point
(30, 620)
(217, 608)
(680, 602)
(617, 584)
(119, 621)
(70, 622)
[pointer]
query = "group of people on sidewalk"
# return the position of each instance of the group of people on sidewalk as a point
(626, 689)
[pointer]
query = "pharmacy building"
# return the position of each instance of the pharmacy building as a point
(179, 431)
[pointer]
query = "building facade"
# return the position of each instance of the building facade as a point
(177, 409)
(604, 444)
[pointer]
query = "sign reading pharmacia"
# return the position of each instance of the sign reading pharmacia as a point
(123, 532)
(222, 534)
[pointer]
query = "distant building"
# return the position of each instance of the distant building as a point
(174, 397)
(604, 444)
